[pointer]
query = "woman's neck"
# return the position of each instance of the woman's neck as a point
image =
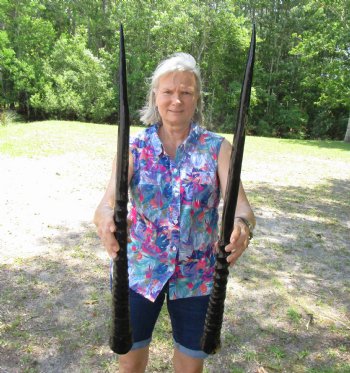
(172, 137)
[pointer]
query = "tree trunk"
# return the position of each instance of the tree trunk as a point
(347, 135)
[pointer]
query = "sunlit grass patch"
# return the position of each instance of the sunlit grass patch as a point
(276, 352)
(249, 355)
(284, 147)
(59, 137)
(43, 139)
(294, 316)
(303, 354)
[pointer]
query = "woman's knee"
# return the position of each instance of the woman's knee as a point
(186, 364)
(134, 361)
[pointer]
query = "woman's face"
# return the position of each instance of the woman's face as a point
(176, 97)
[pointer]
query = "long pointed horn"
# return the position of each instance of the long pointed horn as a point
(213, 323)
(121, 337)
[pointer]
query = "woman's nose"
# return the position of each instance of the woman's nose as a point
(176, 98)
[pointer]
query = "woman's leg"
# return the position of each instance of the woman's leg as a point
(143, 316)
(186, 364)
(187, 319)
(134, 361)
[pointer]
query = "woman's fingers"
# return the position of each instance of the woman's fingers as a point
(112, 246)
(239, 241)
(106, 232)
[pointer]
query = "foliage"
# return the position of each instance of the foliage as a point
(60, 59)
(324, 51)
(76, 83)
(302, 75)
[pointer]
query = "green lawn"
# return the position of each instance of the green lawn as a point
(42, 139)
(39, 139)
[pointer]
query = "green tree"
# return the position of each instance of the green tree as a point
(277, 111)
(209, 30)
(31, 38)
(56, 56)
(77, 84)
(7, 60)
(347, 133)
(324, 52)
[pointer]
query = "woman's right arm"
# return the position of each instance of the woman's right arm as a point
(103, 217)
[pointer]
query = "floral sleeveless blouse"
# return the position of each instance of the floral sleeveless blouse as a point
(174, 214)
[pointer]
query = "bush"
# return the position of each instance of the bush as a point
(77, 84)
(8, 117)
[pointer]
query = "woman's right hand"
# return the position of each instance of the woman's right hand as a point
(106, 228)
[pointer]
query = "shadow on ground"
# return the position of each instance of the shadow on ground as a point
(288, 301)
(287, 306)
(54, 309)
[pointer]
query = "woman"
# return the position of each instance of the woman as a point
(177, 170)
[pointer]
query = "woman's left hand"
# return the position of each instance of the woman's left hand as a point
(239, 241)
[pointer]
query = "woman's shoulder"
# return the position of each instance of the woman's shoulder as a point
(206, 135)
(143, 136)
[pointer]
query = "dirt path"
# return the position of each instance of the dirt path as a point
(43, 197)
(287, 307)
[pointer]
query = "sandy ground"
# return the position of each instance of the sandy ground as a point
(40, 197)
(299, 261)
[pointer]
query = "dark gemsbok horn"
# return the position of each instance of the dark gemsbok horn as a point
(121, 337)
(213, 322)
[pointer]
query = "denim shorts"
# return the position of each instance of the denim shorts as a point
(187, 317)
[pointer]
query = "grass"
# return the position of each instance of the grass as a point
(49, 138)
(265, 146)
(287, 304)
(40, 139)
(294, 316)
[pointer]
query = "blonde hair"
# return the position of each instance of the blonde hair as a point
(176, 62)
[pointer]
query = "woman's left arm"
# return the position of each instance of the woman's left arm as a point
(244, 217)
